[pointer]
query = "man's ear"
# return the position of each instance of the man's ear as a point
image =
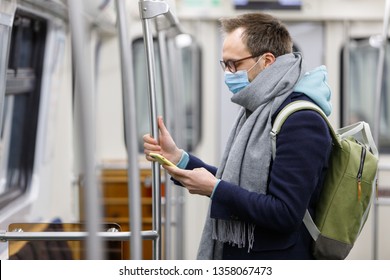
(269, 58)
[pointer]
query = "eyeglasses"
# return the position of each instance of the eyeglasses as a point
(231, 64)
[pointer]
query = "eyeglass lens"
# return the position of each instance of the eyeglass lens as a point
(231, 64)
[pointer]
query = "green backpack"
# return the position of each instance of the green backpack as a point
(347, 193)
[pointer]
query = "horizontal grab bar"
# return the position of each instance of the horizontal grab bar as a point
(71, 236)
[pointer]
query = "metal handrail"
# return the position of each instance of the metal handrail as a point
(166, 90)
(130, 117)
(72, 236)
(151, 74)
(149, 10)
(152, 9)
(84, 98)
(171, 98)
(178, 111)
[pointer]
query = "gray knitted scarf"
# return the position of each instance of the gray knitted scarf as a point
(247, 155)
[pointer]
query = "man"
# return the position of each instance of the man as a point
(257, 204)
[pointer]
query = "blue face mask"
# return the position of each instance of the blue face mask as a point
(236, 81)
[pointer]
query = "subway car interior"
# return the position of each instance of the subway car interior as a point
(81, 82)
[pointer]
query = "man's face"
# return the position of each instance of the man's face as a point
(234, 49)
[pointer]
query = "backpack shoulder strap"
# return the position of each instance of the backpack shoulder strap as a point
(292, 108)
(280, 119)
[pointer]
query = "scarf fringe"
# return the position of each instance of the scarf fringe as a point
(235, 233)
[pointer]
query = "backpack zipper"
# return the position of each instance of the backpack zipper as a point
(360, 172)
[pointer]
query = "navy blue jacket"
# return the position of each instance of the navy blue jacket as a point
(303, 147)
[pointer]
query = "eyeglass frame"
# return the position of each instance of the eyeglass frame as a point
(224, 64)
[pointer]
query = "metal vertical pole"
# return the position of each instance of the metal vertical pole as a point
(175, 55)
(378, 97)
(130, 117)
(162, 47)
(346, 68)
(148, 10)
(86, 133)
(156, 181)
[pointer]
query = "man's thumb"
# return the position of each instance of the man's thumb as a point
(162, 126)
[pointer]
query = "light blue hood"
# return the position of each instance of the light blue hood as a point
(315, 85)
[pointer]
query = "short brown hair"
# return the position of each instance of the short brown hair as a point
(262, 33)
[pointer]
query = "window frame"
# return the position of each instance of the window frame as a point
(20, 113)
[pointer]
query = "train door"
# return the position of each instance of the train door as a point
(31, 50)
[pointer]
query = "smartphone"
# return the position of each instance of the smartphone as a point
(161, 160)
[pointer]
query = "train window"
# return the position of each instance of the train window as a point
(191, 59)
(141, 88)
(358, 87)
(21, 105)
(182, 102)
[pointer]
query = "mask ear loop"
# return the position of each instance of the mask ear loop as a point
(255, 63)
